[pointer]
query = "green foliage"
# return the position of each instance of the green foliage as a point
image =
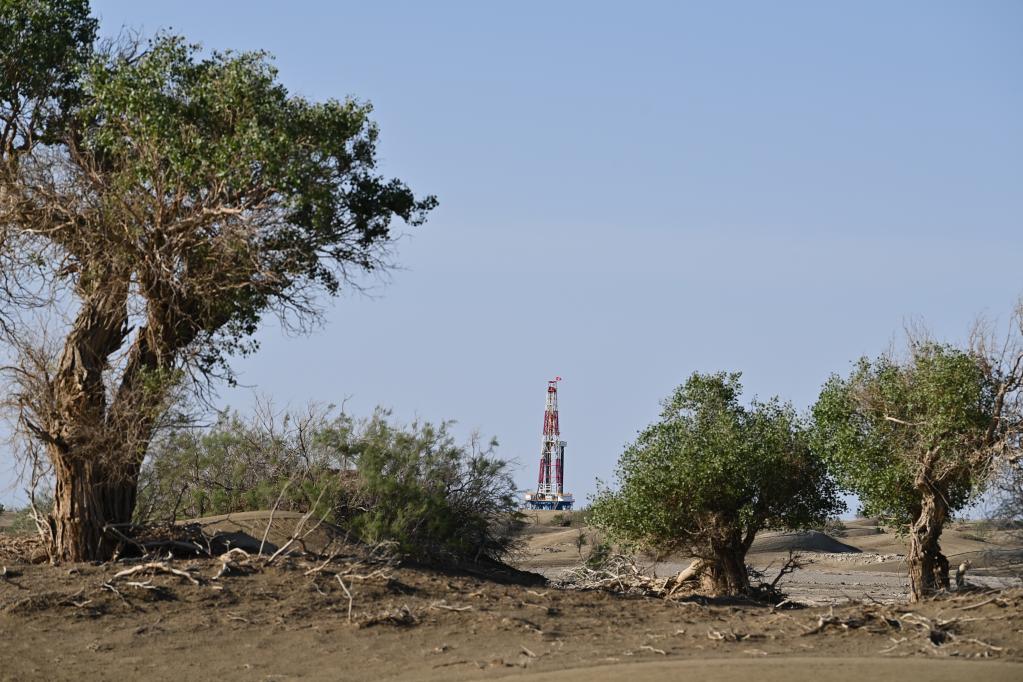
(169, 199)
(437, 498)
(889, 423)
(266, 194)
(293, 463)
(562, 520)
(579, 541)
(712, 472)
(45, 43)
(599, 555)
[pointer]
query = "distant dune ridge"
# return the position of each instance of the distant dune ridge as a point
(809, 541)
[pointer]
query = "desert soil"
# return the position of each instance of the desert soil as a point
(291, 620)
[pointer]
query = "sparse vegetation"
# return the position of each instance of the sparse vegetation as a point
(564, 520)
(599, 555)
(580, 541)
(268, 460)
(436, 498)
(415, 485)
(834, 527)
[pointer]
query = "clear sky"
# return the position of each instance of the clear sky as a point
(633, 191)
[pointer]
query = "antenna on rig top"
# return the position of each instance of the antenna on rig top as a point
(550, 486)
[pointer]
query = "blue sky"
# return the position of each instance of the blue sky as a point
(630, 192)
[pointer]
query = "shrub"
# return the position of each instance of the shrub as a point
(291, 462)
(599, 555)
(438, 499)
(835, 528)
(562, 520)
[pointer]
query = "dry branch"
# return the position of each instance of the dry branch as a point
(158, 567)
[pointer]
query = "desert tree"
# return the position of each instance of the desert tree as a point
(711, 474)
(159, 202)
(917, 437)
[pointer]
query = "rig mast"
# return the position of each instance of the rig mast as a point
(550, 487)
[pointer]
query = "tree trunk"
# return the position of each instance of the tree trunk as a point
(88, 500)
(928, 567)
(727, 573)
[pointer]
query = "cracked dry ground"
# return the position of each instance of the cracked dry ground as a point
(277, 622)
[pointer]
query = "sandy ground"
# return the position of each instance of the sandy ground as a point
(291, 620)
(865, 563)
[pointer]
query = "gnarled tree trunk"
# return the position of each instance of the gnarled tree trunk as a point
(80, 443)
(726, 572)
(928, 567)
(90, 501)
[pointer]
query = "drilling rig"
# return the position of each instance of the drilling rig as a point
(550, 487)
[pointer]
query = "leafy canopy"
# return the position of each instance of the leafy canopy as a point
(891, 427)
(45, 43)
(713, 470)
(220, 192)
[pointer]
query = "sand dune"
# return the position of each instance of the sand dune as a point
(810, 541)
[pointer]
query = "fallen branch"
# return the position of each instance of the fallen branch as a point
(442, 605)
(155, 566)
(347, 592)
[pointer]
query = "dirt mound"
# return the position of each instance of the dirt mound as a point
(809, 541)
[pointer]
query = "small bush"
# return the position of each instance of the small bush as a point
(21, 523)
(562, 520)
(580, 541)
(599, 555)
(238, 464)
(437, 499)
(835, 528)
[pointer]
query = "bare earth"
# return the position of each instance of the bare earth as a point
(289, 621)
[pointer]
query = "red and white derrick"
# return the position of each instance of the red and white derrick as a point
(550, 487)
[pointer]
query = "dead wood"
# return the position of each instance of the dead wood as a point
(157, 567)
